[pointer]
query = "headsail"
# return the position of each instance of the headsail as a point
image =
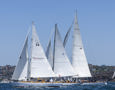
(67, 36)
(40, 66)
(61, 65)
(79, 61)
(20, 72)
(49, 53)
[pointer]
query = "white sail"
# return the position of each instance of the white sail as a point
(20, 72)
(113, 75)
(67, 36)
(62, 66)
(49, 53)
(79, 61)
(24, 73)
(40, 66)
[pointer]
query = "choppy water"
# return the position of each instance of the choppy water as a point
(110, 86)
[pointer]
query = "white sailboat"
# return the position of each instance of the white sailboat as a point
(38, 66)
(61, 65)
(113, 75)
(54, 64)
(79, 61)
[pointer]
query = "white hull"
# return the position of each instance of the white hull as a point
(27, 84)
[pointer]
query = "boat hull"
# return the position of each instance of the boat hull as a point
(28, 84)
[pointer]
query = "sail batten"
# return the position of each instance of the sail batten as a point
(62, 65)
(79, 61)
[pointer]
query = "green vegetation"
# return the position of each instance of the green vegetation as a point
(98, 72)
(102, 72)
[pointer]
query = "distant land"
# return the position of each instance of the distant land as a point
(99, 73)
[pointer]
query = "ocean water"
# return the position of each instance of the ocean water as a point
(110, 86)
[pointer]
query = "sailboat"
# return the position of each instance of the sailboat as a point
(113, 75)
(40, 67)
(30, 71)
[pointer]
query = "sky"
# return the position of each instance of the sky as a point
(96, 21)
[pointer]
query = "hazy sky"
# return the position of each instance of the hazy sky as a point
(96, 20)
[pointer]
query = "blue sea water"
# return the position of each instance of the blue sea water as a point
(110, 86)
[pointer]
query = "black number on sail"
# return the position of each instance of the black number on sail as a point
(37, 44)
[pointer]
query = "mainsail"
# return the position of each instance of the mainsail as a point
(49, 53)
(61, 66)
(20, 72)
(40, 66)
(79, 61)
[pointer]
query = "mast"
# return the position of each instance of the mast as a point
(54, 47)
(31, 51)
(79, 61)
